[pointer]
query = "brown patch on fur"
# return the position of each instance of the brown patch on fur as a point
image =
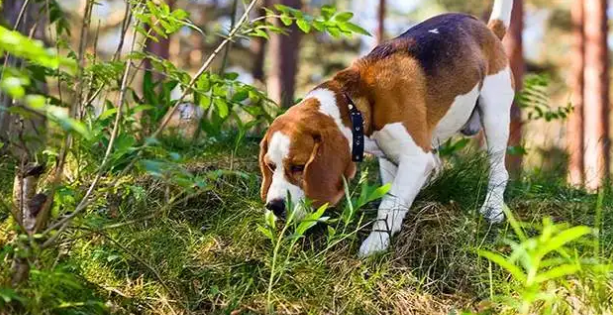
(396, 98)
(318, 144)
(493, 51)
(497, 26)
(266, 172)
(396, 88)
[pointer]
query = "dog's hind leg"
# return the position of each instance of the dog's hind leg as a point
(495, 105)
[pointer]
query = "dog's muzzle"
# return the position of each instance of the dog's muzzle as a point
(277, 206)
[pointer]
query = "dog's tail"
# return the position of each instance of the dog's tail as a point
(501, 17)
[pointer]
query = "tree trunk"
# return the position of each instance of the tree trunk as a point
(575, 135)
(258, 48)
(24, 137)
(514, 48)
(284, 62)
(381, 22)
(11, 11)
(596, 94)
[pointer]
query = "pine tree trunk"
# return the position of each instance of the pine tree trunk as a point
(258, 48)
(596, 94)
(284, 62)
(381, 22)
(575, 135)
(514, 47)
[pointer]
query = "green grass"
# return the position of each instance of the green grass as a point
(138, 253)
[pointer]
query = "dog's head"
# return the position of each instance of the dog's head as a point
(303, 154)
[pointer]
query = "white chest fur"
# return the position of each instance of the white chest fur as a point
(395, 141)
(455, 118)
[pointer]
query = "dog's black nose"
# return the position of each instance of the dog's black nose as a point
(277, 206)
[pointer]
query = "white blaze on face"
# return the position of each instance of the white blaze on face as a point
(278, 150)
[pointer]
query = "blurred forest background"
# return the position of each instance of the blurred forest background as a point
(559, 46)
(129, 180)
(548, 40)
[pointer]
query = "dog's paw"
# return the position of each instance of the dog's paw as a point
(493, 214)
(376, 242)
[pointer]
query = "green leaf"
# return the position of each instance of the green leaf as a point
(232, 76)
(222, 107)
(319, 26)
(282, 8)
(379, 193)
(270, 220)
(107, 113)
(328, 11)
(304, 25)
(508, 266)
(564, 238)
(32, 50)
(331, 231)
(266, 232)
(356, 29)
(152, 167)
(14, 87)
(142, 108)
(334, 31)
(205, 102)
(60, 115)
(557, 272)
(240, 96)
(286, 20)
(311, 220)
(37, 102)
(260, 33)
(8, 295)
(343, 17)
(514, 223)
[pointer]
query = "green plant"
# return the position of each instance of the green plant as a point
(534, 99)
(287, 242)
(543, 263)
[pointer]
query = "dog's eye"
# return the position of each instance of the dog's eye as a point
(297, 168)
(272, 166)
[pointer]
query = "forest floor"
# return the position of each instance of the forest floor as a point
(145, 247)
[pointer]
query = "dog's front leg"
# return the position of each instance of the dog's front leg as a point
(414, 168)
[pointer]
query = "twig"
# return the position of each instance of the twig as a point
(41, 218)
(21, 14)
(124, 29)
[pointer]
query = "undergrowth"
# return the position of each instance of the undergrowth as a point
(154, 250)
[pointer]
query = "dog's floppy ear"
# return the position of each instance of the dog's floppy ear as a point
(266, 172)
(329, 162)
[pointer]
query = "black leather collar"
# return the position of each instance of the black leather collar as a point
(357, 129)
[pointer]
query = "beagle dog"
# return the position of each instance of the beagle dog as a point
(446, 75)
